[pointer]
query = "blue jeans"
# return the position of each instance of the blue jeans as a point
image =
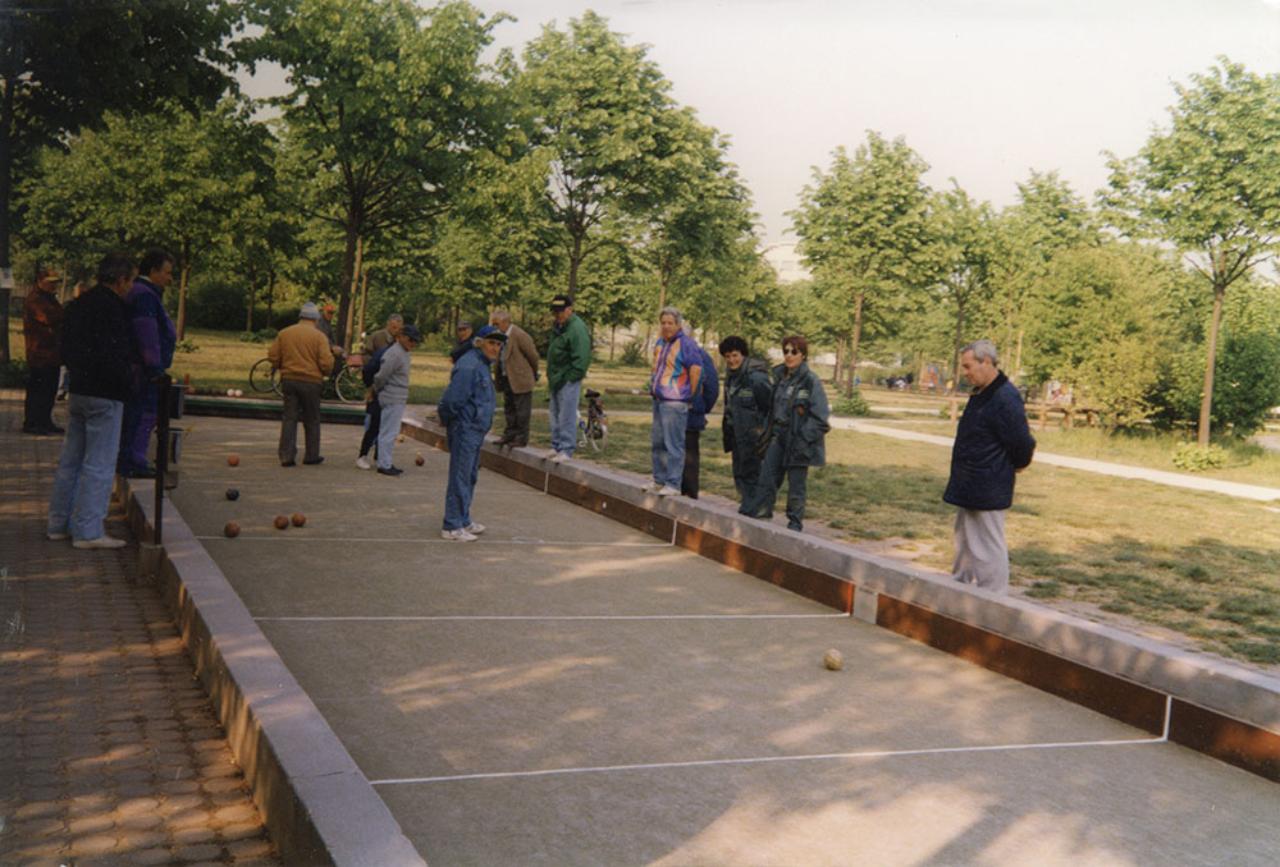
(666, 441)
(464, 469)
(564, 417)
(87, 467)
(388, 430)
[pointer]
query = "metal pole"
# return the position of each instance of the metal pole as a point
(164, 385)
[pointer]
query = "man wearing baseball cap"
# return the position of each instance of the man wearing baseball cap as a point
(466, 408)
(568, 357)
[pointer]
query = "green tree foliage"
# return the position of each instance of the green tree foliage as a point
(1209, 183)
(862, 224)
(600, 115)
(1100, 326)
(962, 246)
(387, 103)
(170, 178)
(63, 63)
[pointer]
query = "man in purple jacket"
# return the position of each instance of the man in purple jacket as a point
(156, 337)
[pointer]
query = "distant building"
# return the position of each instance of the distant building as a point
(786, 261)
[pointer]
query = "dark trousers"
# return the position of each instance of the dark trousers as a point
(301, 401)
(692, 463)
(516, 408)
(746, 468)
(140, 415)
(42, 387)
(761, 501)
(373, 415)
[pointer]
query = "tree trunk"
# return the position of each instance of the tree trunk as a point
(183, 280)
(364, 297)
(252, 293)
(347, 318)
(856, 339)
(1017, 353)
(613, 340)
(959, 338)
(1206, 401)
(271, 296)
(835, 374)
(350, 269)
(575, 259)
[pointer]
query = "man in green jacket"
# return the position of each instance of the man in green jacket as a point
(568, 357)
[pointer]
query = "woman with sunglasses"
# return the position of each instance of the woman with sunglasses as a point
(795, 439)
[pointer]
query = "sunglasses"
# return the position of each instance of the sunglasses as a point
(791, 350)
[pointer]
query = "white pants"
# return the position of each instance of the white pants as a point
(982, 556)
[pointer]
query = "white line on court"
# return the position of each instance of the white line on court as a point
(302, 537)
(870, 754)
(482, 617)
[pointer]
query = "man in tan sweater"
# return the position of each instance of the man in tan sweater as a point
(302, 355)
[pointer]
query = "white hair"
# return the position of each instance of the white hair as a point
(983, 350)
(672, 312)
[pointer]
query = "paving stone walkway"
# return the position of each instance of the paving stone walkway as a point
(110, 753)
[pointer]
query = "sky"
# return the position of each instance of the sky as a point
(984, 90)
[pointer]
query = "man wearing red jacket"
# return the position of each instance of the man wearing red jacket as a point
(41, 323)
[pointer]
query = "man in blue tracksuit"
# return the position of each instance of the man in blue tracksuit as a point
(466, 408)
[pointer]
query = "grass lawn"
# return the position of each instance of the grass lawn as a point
(1204, 566)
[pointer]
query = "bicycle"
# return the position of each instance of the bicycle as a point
(593, 430)
(346, 382)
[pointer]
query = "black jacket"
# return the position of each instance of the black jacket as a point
(802, 401)
(992, 441)
(98, 346)
(747, 396)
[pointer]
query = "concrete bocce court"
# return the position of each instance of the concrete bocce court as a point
(603, 678)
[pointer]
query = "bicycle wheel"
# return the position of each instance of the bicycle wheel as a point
(263, 377)
(349, 385)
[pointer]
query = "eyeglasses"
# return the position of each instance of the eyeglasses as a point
(791, 350)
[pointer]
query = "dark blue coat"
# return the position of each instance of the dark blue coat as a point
(992, 442)
(708, 393)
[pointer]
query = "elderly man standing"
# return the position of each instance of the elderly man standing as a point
(673, 384)
(41, 321)
(391, 393)
(304, 358)
(373, 344)
(156, 338)
(568, 357)
(993, 442)
(466, 408)
(515, 374)
(99, 351)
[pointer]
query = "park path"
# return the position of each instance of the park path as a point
(1124, 471)
(110, 753)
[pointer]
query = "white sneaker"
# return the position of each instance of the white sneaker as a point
(668, 491)
(57, 537)
(475, 529)
(457, 536)
(652, 487)
(561, 457)
(363, 463)
(551, 454)
(100, 542)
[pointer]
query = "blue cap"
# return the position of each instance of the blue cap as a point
(412, 333)
(490, 332)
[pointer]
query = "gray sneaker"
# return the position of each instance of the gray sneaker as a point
(100, 542)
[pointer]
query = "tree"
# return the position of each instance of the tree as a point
(1210, 184)
(960, 251)
(387, 103)
(170, 178)
(600, 114)
(63, 63)
(863, 223)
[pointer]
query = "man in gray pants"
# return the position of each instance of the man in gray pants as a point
(993, 443)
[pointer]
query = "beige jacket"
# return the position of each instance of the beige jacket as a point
(520, 360)
(301, 353)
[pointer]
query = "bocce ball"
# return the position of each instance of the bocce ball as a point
(299, 519)
(231, 530)
(233, 494)
(282, 522)
(233, 460)
(833, 660)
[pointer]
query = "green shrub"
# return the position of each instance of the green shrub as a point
(633, 354)
(1246, 384)
(186, 345)
(1194, 458)
(13, 374)
(854, 404)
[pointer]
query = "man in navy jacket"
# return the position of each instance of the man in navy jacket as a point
(466, 408)
(992, 444)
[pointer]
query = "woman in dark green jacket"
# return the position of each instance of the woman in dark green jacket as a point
(798, 425)
(747, 394)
